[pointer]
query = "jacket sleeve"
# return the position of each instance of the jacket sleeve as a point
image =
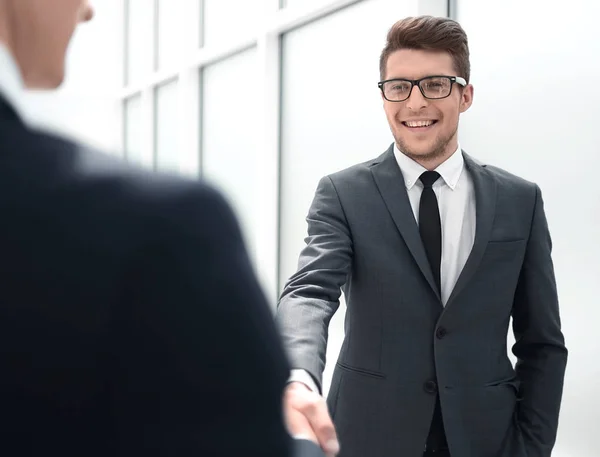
(540, 347)
(311, 296)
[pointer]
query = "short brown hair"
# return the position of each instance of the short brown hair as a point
(431, 34)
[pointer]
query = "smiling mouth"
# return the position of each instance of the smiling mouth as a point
(419, 124)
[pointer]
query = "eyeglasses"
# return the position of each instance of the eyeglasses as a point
(432, 87)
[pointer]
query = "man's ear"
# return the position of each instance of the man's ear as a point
(466, 98)
(87, 12)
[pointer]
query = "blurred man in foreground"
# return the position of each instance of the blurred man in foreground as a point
(129, 312)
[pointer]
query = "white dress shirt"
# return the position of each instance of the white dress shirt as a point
(456, 200)
(11, 82)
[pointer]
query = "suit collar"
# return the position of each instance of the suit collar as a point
(450, 170)
(389, 178)
(7, 111)
(11, 86)
(485, 187)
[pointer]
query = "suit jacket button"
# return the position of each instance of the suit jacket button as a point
(440, 333)
(430, 387)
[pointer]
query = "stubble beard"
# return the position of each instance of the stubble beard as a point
(439, 150)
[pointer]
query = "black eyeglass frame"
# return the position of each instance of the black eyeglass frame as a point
(417, 82)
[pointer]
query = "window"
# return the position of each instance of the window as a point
(140, 40)
(134, 149)
(229, 20)
(229, 133)
(167, 124)
(171, 31)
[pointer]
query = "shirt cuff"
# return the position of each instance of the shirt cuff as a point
(299, 375)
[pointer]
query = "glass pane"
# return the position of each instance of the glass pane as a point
(179, 24)
(140, 40)
(229, 140)
(133, 130)
(325, 130)
(229, 20)
(167, 123)
(171, 30)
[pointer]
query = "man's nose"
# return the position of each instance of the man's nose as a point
(415, 100)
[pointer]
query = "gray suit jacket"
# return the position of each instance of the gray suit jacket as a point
(402, 347)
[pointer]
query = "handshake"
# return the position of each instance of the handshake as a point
(307, 418)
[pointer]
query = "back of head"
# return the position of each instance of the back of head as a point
(429, 33)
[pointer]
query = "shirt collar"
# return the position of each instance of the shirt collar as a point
(450, 170)
(11, 83)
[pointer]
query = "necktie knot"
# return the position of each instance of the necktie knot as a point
(428, 178)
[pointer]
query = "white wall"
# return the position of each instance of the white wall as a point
(85, 107)
(536, 72)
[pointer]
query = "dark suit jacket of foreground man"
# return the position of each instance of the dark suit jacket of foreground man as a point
(130, 316)
(402, 347)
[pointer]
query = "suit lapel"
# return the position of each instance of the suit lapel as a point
(485, 210)
(390, 182)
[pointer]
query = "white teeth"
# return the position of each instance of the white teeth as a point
(418, 123)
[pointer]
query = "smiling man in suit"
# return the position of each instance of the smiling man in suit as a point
(435, 253)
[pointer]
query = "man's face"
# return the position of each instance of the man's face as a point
(440, 138)
(39, 35)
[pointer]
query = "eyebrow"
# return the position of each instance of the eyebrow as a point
(421, 77)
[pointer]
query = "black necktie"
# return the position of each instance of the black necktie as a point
(430, 226)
